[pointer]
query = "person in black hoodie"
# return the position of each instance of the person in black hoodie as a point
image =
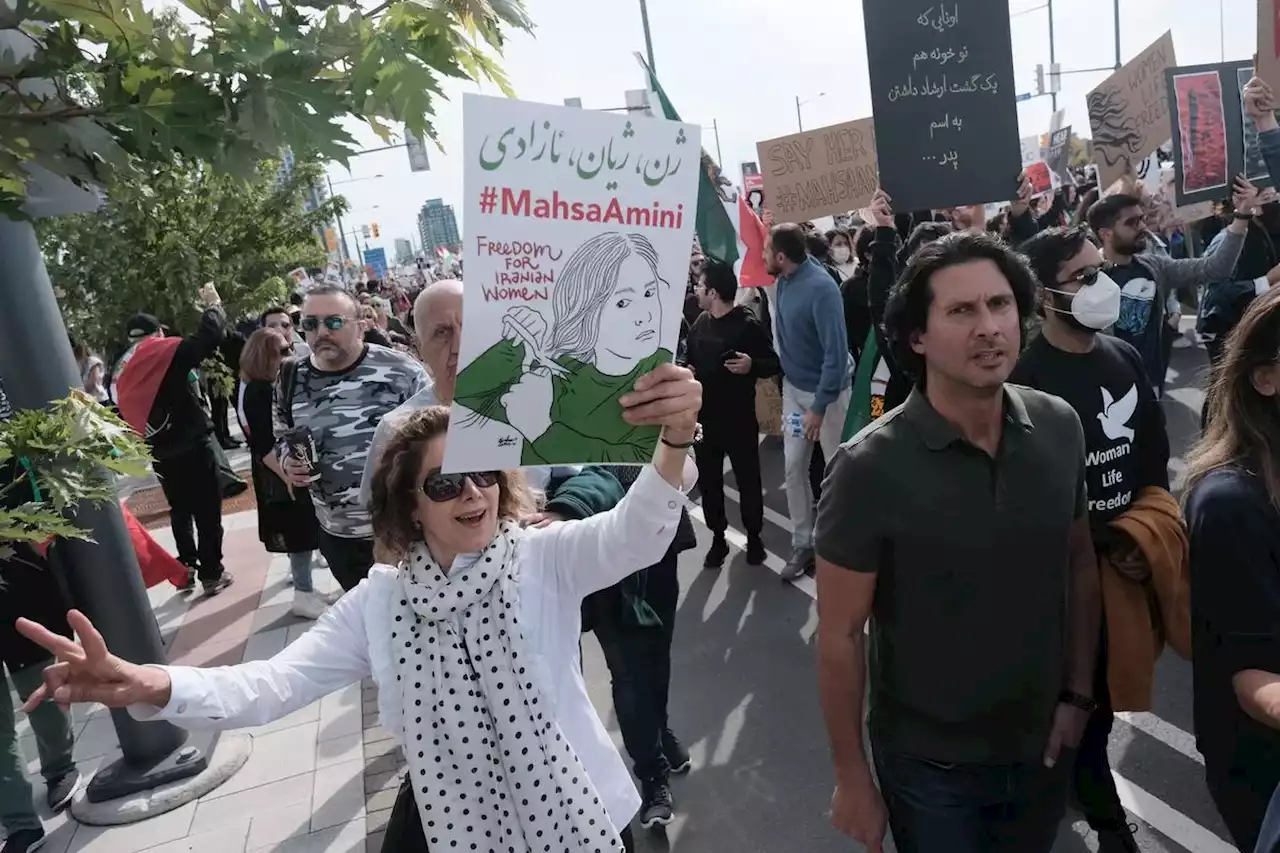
(156, 388)
(728, 351)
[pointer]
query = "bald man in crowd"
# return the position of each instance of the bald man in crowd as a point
(437, 322)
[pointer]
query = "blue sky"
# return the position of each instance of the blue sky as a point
(742, 63)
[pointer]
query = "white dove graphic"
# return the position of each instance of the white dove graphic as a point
(1115, 414)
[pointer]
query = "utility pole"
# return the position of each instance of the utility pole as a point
(1116, 5)
(648, 39)
(102, 576)
(1053, 92)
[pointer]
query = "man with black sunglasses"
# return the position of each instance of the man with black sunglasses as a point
(340, 393)
(1126, 451)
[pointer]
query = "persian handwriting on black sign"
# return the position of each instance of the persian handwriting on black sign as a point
(949, 122)
(988, 83)
(585, 163)
(942, 57)
(940, 19)
(946, 158)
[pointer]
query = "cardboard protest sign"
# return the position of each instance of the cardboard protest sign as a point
(1211, 143)
(1129, 111)
(579, 228)
(819, 172)
(1268, 59)
(942, 94)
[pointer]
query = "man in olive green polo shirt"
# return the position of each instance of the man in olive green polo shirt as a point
(959, 521)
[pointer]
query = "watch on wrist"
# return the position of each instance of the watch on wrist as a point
(696, 438)
(1077, 700)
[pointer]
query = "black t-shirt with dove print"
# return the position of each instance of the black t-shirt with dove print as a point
(1126, 446)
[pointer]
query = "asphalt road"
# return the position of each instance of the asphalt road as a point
(744, 698)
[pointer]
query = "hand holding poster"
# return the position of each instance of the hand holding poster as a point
(1129, 111)
(819, 172)
(942, 93)
(579, 231)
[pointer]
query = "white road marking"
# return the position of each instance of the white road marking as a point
(1168, 820)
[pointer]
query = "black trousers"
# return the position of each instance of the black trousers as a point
(190, 484)
(739, 443)
(349, 559)
(1241, 787)
(817, 468)
(639, 660)
(1093, 784)
(404, 828)
(218, 407)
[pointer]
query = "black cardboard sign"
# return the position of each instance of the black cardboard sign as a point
(1213, 139)
(943, 98)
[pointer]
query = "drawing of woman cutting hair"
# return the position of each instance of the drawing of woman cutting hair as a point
(558, 385)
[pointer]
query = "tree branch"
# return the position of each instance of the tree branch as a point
(56, 115)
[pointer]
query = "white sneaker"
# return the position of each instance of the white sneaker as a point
(332, 597)
(308, 605)
(319, 561)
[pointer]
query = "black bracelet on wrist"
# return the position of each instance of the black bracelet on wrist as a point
(1077, 700)
(1243, 217)
(693, 439)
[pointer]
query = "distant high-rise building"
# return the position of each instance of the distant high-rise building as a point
(312, 196)
(437, 226)
(404, 251)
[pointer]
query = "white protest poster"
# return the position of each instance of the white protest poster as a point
(579, 226)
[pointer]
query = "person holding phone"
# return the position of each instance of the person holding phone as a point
(728, 350)
(338, 394)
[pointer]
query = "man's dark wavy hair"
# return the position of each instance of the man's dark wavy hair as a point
(907, 311)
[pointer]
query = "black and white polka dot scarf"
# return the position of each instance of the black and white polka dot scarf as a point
(491, 769)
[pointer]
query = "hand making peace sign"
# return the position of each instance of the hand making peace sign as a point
(86, 671)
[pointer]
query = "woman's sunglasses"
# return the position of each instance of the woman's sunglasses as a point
(445, 487)
(332, 322)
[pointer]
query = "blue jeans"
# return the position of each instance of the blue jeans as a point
(938, 807)
(300, 567)
(1269, 837)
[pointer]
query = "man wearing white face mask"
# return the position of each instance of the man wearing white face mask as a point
(1126, 449)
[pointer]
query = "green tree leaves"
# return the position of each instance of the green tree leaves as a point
(85, 83)
(164, 232)
(66, 451)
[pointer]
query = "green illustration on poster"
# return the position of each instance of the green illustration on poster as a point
(576, 255)
(557, 380)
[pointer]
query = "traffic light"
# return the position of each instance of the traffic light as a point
(1039, 79)
(375, 229)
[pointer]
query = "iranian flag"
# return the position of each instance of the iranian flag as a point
(716, 233)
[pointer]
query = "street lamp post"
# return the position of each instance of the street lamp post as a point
(1053, 93)
(1116, 6)
(345, 254)
(799, 120)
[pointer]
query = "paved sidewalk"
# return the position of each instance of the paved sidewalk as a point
(302, 789)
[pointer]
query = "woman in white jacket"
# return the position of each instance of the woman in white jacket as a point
(472, 640)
